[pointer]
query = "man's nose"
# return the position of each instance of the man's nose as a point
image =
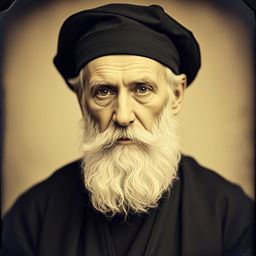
(123, 113)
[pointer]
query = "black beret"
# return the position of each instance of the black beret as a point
(126, 29)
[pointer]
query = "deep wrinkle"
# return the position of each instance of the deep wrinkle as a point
(125, 90)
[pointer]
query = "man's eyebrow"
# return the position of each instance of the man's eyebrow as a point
(145, 81)
(94, 83)
(140, 80)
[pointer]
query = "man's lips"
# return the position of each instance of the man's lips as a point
(124, 141)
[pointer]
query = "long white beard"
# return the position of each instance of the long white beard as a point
(130, 178)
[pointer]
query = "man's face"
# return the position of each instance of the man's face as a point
(130, 131)
(125, 90)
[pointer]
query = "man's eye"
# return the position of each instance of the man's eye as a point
(143, 90)
(102, 92)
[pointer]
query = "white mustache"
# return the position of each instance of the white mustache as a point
(108, 138)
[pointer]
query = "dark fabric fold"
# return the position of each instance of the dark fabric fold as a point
(203, 215)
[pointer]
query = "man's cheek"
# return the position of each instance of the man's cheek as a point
(102, 118)
(147, 115)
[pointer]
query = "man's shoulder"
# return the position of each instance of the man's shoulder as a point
(219, 205)
(65, 180)
(208, 182)
(71, 169)
(44, 209)
(68, 174)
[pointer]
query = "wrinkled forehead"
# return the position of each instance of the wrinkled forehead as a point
(126, 66)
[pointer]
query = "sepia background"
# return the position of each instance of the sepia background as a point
(41, 117)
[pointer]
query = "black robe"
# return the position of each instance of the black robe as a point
(204, 215)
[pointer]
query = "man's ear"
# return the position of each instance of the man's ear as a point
(179, 93)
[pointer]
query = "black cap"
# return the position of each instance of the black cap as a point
(126, 29)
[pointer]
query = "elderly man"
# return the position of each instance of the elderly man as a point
(133, 192)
